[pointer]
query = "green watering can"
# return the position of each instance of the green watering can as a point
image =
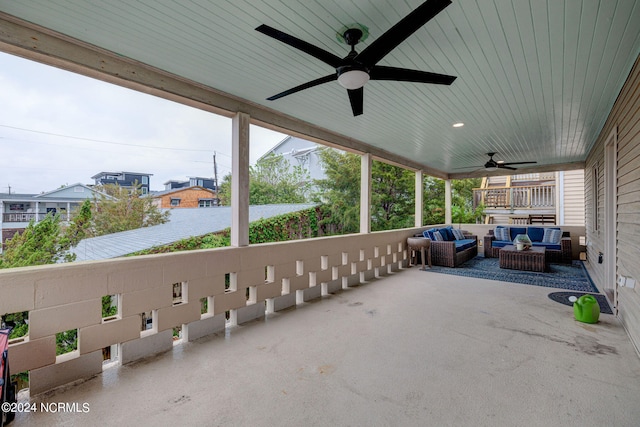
(586, 309)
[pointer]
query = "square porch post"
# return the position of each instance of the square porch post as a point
(419, 199)
(240, 180)
(447, 201)
(365, 193)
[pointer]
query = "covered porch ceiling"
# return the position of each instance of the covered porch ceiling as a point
(536, 79)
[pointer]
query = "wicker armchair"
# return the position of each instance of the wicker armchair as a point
(444, 253)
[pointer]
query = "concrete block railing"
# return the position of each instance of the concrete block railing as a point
(169, 289)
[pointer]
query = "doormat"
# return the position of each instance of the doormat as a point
(563, 298)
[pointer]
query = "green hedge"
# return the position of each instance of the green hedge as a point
(291, 226)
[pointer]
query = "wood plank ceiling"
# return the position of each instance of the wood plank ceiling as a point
(536, 79)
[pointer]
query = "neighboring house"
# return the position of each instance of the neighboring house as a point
(188, 197)
(192, 182)
(18, 209)
(546, 197)
(124, 179)
(299, 152)
(183, 223)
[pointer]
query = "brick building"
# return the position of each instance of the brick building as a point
(190, 197)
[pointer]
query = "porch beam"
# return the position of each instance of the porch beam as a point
(240, 180)
(365, 192)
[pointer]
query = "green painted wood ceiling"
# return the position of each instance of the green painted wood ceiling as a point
(536, 79)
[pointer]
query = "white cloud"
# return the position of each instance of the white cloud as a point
(55, 128)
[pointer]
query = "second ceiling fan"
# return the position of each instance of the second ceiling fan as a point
(492, 165)
(356, 69)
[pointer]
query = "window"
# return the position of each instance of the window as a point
(145, 179)
(145, 190)
(175, 202)
(205, 203)
(200, 183)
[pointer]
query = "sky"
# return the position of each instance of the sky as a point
(60, 128)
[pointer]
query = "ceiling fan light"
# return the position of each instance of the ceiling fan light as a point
(353, 79)
(491, 168)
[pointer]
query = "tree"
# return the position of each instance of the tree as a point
(339, 192)
(40, 243)
(224, 190)
(461, 201)
(80, 225)
(271, 181)
(433, 200)
(392, 197)
(121, 209)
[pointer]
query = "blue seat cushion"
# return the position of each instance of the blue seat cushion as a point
(461, 245)
(550, 246)
(535, 233)
(517, 230)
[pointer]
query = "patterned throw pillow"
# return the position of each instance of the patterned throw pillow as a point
(457, 233)
(502, 233)
(552, 235)
(438, 236)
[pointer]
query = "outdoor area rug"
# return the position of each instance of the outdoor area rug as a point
(563, 298)
(573, 277)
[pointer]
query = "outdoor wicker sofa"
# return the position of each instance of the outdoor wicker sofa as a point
(452, 250)
(557, 250)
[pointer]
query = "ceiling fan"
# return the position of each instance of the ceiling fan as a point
(356, 69)
(493, 165)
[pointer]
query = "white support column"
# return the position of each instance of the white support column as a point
(419, 199)
(38, 211)
(365, 193)
(68, 211)
(240, 180)
(447, 201)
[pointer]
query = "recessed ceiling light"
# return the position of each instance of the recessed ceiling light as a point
(458, 125)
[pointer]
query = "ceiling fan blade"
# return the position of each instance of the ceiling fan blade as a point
(308, 48)
(408, 25)
(405, 75)
(502, 166)
(356, 98)
(316, 82)
(518, 163)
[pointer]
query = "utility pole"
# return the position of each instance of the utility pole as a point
(9, 187)
(215, 178)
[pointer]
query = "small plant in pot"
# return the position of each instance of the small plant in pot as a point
(522, 242)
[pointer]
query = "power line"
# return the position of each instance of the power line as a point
(105, 142)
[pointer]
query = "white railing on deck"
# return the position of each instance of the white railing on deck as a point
(261, 279)
(520, 197)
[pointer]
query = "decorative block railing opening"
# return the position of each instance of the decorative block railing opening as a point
(130, 308)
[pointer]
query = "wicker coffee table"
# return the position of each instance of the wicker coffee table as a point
(532, 259)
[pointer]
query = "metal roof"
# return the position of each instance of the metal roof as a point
(183, 223)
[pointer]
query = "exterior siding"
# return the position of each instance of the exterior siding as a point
(625, 119)
(573, 197)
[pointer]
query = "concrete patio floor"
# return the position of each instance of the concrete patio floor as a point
(415, 348)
